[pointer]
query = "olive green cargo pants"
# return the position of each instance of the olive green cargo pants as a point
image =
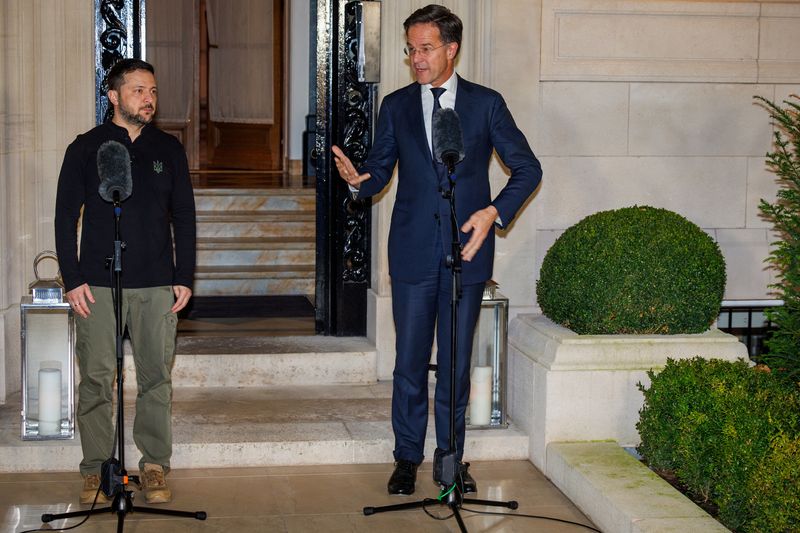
(152, 329)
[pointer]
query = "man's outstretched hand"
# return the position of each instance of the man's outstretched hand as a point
(346, 168)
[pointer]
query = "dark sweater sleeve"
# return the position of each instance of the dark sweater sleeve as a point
(69, 200)
(183, 222)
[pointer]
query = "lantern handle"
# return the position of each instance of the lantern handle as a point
(45, 254)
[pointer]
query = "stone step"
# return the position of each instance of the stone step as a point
(255, 243)
(263, 426)
(254, 280)
(254, 216)
(256, 251)
(273, 257)
(254, 225)
(254, 287)
(223, 200)
(257, 271)
(209, 361)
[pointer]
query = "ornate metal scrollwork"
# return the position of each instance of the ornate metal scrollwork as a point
(118, 27)
(114, 37)
(356, 108)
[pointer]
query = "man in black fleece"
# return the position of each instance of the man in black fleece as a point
(157, 282)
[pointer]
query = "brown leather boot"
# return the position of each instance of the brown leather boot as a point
(91, 484)
(154, 484)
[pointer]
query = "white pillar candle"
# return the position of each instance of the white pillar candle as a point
(480, 396)
(49, 401)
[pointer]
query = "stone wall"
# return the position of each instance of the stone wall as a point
(652, 103)
(47, 73)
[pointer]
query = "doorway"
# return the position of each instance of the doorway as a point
(237, 154)
(221, 78)
(220, 69)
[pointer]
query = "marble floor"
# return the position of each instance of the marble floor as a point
(299, 499)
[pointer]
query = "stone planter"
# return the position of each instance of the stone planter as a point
(569, 387)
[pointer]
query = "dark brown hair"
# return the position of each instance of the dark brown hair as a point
(450, 26)
(116, 76)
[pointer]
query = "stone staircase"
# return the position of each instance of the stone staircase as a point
(263, 401)
(255, 242)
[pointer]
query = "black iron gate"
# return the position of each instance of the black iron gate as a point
(345, 117)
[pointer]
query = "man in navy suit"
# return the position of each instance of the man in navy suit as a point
(420, 236)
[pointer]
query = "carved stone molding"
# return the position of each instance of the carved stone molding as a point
(779, 46)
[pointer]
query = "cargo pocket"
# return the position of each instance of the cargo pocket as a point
(170, 330)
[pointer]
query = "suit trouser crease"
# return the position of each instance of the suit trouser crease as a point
(152, 330)
(416, 308)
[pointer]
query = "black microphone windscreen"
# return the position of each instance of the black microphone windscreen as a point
(448, 141)
(114, 169)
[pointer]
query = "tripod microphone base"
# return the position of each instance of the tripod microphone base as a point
(122, 506)
(454, 502)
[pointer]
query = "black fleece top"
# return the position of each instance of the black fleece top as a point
(162, 196)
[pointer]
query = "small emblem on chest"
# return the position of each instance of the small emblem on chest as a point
(158, 167)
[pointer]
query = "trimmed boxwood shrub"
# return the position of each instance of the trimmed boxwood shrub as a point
(731, 435)
(638, 270)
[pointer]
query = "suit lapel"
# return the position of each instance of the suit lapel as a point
(417, 121)
(464, 101)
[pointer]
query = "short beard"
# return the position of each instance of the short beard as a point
(132, 119)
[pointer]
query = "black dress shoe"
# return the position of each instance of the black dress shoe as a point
(467, 481)
(403, 478)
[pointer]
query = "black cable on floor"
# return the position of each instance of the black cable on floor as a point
(590, 528)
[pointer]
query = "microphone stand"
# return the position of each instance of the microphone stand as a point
(114, 477)
(447, 469)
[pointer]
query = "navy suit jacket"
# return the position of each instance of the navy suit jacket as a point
(419, 211)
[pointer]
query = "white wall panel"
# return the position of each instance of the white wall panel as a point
(709, 191)
(638, 40)
(698, 119)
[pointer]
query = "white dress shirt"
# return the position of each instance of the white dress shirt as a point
(447, 100)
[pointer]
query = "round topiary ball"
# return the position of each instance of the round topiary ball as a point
(636, 270)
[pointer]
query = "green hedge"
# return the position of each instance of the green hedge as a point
(783, 354)
(633, 270)
(731, 434)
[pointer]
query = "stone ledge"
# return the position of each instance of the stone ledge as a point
(620, 494)
(558, 348)
(566, 387)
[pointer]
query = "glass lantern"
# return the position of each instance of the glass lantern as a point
(487, 398)
(47, 331)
